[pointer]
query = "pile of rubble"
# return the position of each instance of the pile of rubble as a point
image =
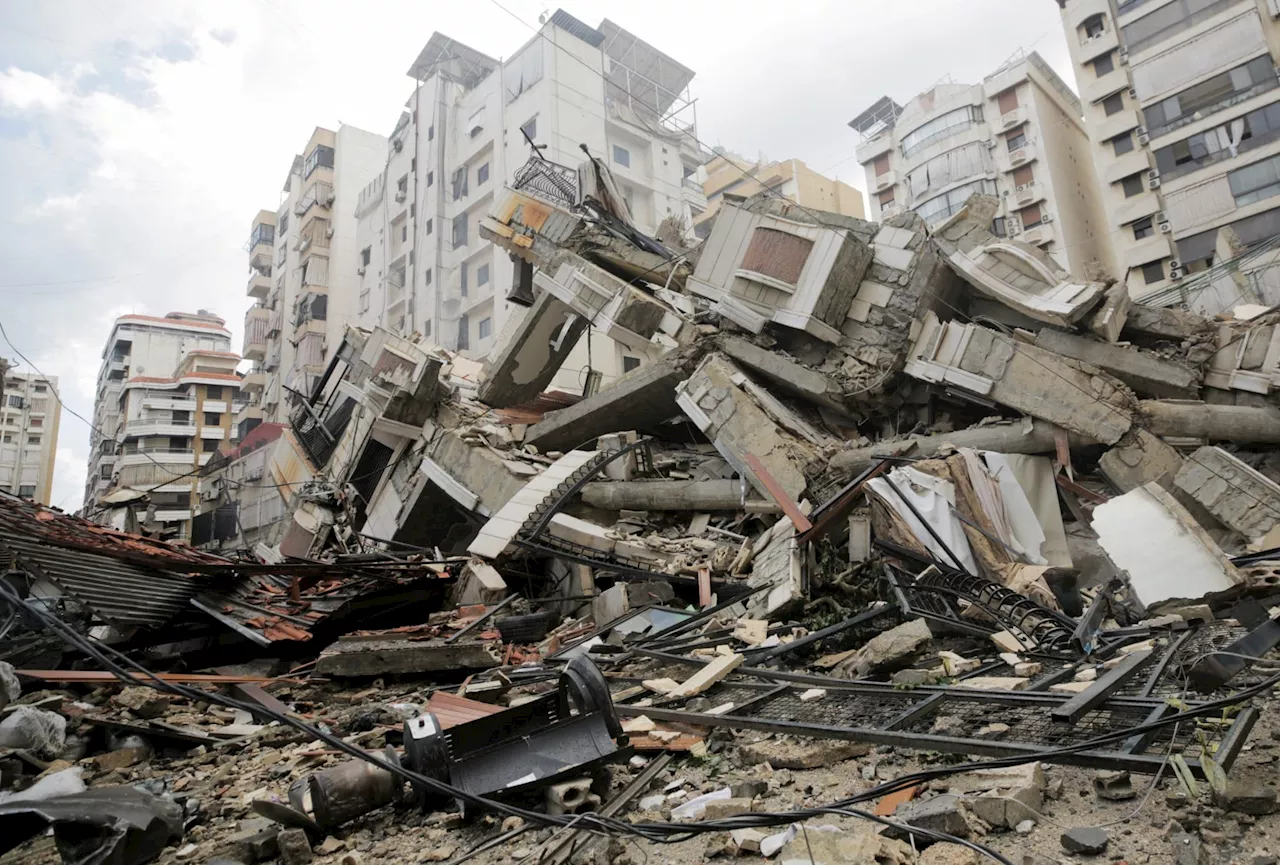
(880, 500)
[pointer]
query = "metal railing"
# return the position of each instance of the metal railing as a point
(556, 183)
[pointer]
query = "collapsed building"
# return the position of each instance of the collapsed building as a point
(874, 482)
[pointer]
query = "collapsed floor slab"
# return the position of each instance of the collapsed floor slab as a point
(1147, 374)
(532, 352)
(1140, 458)
(1232, 492)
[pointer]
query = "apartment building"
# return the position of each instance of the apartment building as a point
(1182, 105)
(788, 178)
(137, 346)
(303, 262)
(29, 416)
(471, 125)
(1019, 135)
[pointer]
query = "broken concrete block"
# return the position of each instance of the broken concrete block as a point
(1109, 318)
(532, 353)
(716, 399)
(578, 531)
(713, 672)
(786, 375)
(1148, 374)
(1007, 642)
(1027, 669)
(803, 754)
(1070, 687)
(295, 849)
(940, 814)
(1140, 458)
(479, 583)
(994, 683)
(389, 654)
(1232, 492)
(722, 808)
(829, 845)
(1165, 551)
(949, 854)
(146, 703)
(1086, 840)
(1249, 796)
(892, 648)
(1007, 807)
(1113, 786)
(571, 797)
(955, 665)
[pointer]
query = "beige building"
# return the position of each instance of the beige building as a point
(1018, 135)
(1182, 104)
(29, 416)
(304, 270)
(789, 178)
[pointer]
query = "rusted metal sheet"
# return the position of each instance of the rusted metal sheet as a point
(451, 710)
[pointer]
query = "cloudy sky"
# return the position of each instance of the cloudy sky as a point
(138, 138)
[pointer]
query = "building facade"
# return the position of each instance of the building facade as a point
(1019, 135)
(472, 122)
(303, 262)
(1182, 104)
(29, 416)
(144, 347)
(788, 178)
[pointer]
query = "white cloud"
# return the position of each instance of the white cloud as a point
(23, 91)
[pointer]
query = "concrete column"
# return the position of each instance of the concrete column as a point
(1026, 436)
(657, 495)
(1206, 422)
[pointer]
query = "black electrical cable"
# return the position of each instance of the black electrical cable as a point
(656, 832)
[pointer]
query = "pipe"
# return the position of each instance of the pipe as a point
(1027, 436)
(1201, 420)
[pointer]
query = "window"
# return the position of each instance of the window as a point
(1113, 104)
(942, 206)
(212, 418)
(886, 198)
(27, 492)
(426, 277)
(1030, 216)
(482, 275)
(181, 417)
(622, 156)
(402, 186)
(1023, 175)
(1016, 140)
(882, 165)
(404, 232)
(35, 422)
(1169, 20)
(530, 128)
(1104, 64)
(179, 443)
(1153, 272)
(15, 401)
(459, 231)
(464, 332)
(365, 255)
(40, 388)
(462, 279)
(1232, 138)
(629, 363)
(413, 164)
(33, 439)
(8, 438)
(482, 174)
(1255, 182)
(364, 299)
(486, 325)
(320, 157)
(1008, 100)
(1092, 26)
(431, 132)
(1219, 92)
(1000, 227)
(459, 183)
(213, 391)
(1143, 228)
(431, 178)
(1122, 144)
(940, 127)
(1133, 185)
(429, 226)
(105, 473)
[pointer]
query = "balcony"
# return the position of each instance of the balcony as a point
(171, 403)
(173, 515)
(157, 427)
(1100, 88)
(1135, 208)
(1026, 195)
(1126, 165)
(1039, 235)
(1154, 248)
(886, 180)
(1095, 47)
(218, 405)
(259, 286)
(878, 146)
(1116, 124)
(213, 432)
(1012, 119)
(1007, 160)
(165, 456)
(262, 255)
(255, 332)
(249, 412)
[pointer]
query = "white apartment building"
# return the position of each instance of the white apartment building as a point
(141, 346)
(303, 260)
(1182, 104)
(1018, 135)
(466, 132)
(29, 415)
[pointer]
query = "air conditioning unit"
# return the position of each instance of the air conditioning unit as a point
(1046, 219)
(1144, 138)
(1153, 174)
(325, 198)
(1153, 183)
(1013, 226)
(1175, 264)
(253, 474)
(1160, 216)
(1133, 94)
(1175, 273)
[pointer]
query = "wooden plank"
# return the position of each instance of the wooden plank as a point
(779, 495)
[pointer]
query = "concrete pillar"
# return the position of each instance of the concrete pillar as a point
(1026, 436)
(657, 495)
(1204, 422)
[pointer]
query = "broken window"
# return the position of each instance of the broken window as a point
(1104, 64)
(1113, 104)
(1030, 216)
(459, 185)
(1214, 94)
(999, 227)
(320, 157)
(1008, 100)
(522, 71)
(1153, 272)
(530, 128)
(1143, 228)
(1122, 144)
(1023, 176)
(777, 255)
(460, 231)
